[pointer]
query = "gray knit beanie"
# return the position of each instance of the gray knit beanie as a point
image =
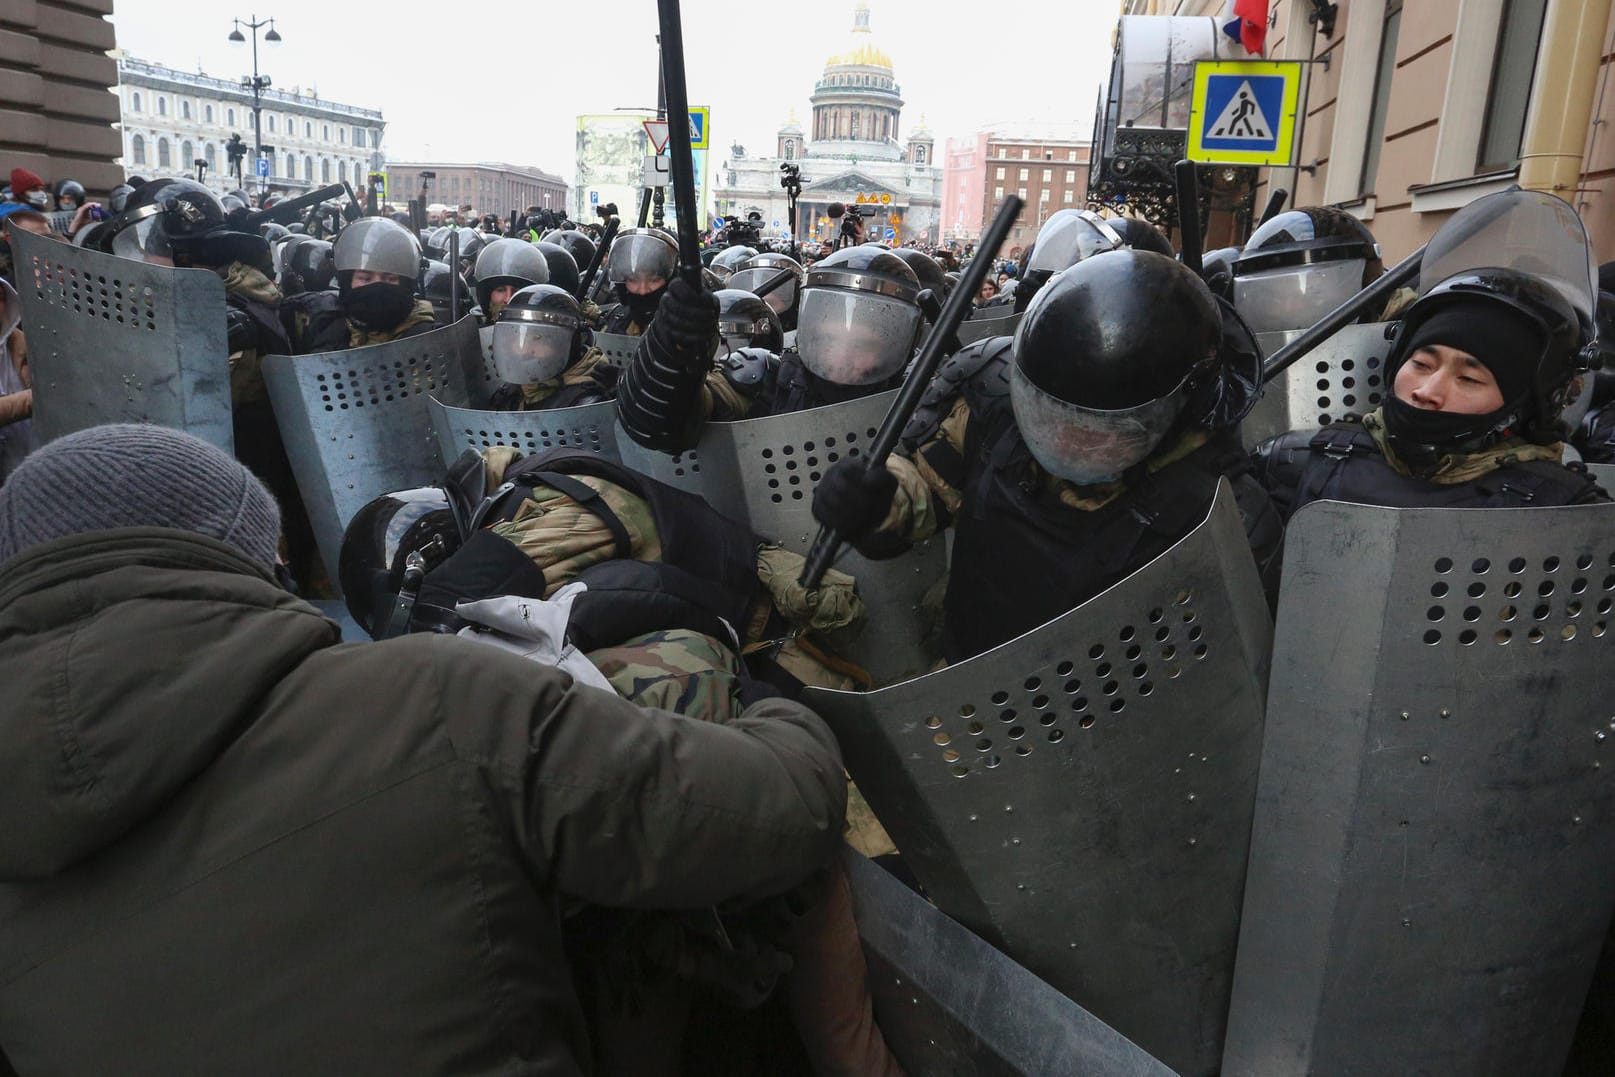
(136, 475)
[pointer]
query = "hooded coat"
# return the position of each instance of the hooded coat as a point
(233, 844)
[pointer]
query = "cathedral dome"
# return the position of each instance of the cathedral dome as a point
(861, 50)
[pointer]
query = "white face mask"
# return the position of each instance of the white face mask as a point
(39, 198)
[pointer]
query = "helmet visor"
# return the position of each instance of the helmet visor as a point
(144, 241)
(855, 337)
(749, 280)
(526, 353)
(1082, 445)
(641, 259)
(1295, 297)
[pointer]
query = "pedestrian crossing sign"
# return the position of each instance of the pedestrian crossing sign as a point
(1243, 112)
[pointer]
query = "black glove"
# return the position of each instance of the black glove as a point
(686, 323)
(240, 331)
(853, 499)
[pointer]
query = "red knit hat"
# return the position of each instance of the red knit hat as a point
(24, 180)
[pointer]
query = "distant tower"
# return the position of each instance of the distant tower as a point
(790, 139)
(857, 103)
(921, 145)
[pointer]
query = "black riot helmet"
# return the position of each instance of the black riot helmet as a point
(437, 287)
(118, 199)
(1217, 270)
(157, 214)
(745, 321)
(1524, 330)
(508, 263)
(378, 541)
(1105, 360)
(859, 316)
(1141, 235)
(758, 271)
(69, 194)
(925, 268)
(563, 267)
(1301, 265)
(306, 265)
(730, 259)
(540, 333)
(580, 246)
(1066, 238)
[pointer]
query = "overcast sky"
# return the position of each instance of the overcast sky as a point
(506, 81)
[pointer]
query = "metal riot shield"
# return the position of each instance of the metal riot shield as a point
(1605, 474)
(947, 1003)
(112, 340)
(481, 379)
(1345, 375)
(982, 328)
(1431, 870)
(620, 348)
(356, 423)
(1082, 796)
(778, 461)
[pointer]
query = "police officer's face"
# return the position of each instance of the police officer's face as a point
(362, 277)
(501, 295)
(644, 285)
(1439, 378)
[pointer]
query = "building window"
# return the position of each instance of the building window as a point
(325, 170)
(207, 113)
(185, 110)
(1048, 155)
(164, 159)
(1022, 194)
(308, 129)
(1071, 175)
(185, 158)
(271, 124)
(919, 155)
(229, 117)
(1512, 72)
(291, 167)
(1025, 172)
(998, 192)
(856, 116)
(1383, 74)
(1043, 195)
(1026, 154)
(1000, 172)
(326, 129)
(1048, 175)
(358, 136)
(210, 154)
(342, 135)
(308, 169)
(1068, 197)
(162, 106)
(375, 139)
(1070, 155)
(139, 150)
(134, 101)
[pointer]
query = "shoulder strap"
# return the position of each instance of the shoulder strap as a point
(589, 499)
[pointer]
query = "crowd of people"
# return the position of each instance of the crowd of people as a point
(242, 844)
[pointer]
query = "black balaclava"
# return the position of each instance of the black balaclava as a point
(379, 306)
(642, 307)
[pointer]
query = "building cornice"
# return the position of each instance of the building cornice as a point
(148, 75)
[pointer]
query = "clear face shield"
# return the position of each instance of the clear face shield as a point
(853, 337)
(641, 259)
(749, 280)
(1291, 298)
(144, 241)
(527, 351)
(1085, 446)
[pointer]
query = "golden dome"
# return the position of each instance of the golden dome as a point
(861, 50)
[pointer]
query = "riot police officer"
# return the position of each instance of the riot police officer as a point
(758, 271)
(1301, 265)
(640, 264)
(563, 267)
(727, 261)
(1482, 367)
(1091, 450)
(543, 351)
(856, 332)
(1066, 238)
(503, 267)
(376, 262)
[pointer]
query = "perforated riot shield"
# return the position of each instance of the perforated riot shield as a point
(779, 460)
(1081, 796)
(1345, 375)
(481, 379)
(947, 1003)
(1431, 869)
(356, 423)
(982, 328)
(620, 348)
(1605, 474)
(112, 340)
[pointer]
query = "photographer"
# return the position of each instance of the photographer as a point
(852, 224)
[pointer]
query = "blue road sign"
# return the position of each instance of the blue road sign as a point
(263, 167)
(891, 234)
(594, 198)
(719, 223)
(1244, 112)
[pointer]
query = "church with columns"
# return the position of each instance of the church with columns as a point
(855, 146)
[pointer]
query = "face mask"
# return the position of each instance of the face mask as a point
(380, 306)
(1421, 436)
(67, 203)
(39, 199)
(643, 306)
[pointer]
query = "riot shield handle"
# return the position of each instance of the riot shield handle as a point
(1343, 315)
(1190, 243)
(828, 543)
(682, 164)
(599, 258)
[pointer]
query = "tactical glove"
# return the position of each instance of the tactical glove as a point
(854, 498)
(686, 324)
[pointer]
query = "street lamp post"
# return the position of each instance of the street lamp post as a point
(257, 83)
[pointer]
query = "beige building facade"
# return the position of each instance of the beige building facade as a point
(1425, 105)
(57, 107)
